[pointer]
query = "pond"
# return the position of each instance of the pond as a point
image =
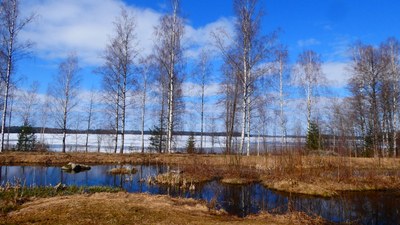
(240, 200)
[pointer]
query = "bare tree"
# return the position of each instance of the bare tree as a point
(111, 97)
(45, 113)
(161, 94)
(64, 91)
(249, 60)
(146, 69)
(368, 67)
(203, 73)
(118, 71)
(230, 96)
(391, 51)
(309, 76)
(169, 56)
(11, 48)
(281, 55)
(89, 118)
(27, 102)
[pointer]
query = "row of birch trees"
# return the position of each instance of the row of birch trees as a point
(256, 76)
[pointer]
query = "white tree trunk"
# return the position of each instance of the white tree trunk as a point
(244, 116)
(89, 123)
(281, 98)
(144, 107)
(248, 127)
(116, 121)
(202, 111)
(244, 103)
(7, 83)
(171, 90)
(123, 118)
(308, 106)
(170, 111)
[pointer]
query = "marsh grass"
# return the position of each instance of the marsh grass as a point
(329, 175)
(327, 172)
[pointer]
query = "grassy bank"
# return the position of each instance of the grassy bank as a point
(291, 172)
(123, 208)
(12, 197)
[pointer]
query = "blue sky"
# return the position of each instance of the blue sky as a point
(328, 27)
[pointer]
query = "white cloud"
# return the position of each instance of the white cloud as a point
(190, 89)
(73, 25)
(308, 42)
(336, 73)
(85, 27)
(196, 39)
(340, 47)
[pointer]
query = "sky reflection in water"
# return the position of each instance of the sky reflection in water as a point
(240, 200)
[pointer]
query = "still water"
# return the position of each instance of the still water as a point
(240, 200)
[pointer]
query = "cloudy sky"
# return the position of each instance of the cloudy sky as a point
(328, 27)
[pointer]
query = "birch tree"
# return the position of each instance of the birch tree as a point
(11, 49)
(309, 76)
(45, 113)
(64, 92)
(89, 119)
(169, 56)
(230, 90)
(161, 94)
(203, 74)
(27, 102)
(252, 50)
(118, 71)
(146, 69)
(391, 50)
(367, 70)
(281, 55)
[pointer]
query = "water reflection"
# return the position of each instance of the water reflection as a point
(241, 200)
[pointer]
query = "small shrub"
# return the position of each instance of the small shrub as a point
(313, 135)
(191, 144)
(26, 138)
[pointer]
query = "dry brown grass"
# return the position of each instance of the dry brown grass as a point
(300, 188)
(328, 175)
(123, 208)
(122, 170)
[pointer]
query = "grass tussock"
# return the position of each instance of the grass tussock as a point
(13, 195)
(240, 175)
(123, 170)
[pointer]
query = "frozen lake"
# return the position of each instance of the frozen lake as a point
(133, 143)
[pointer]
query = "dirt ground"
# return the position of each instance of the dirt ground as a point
(124, 208)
